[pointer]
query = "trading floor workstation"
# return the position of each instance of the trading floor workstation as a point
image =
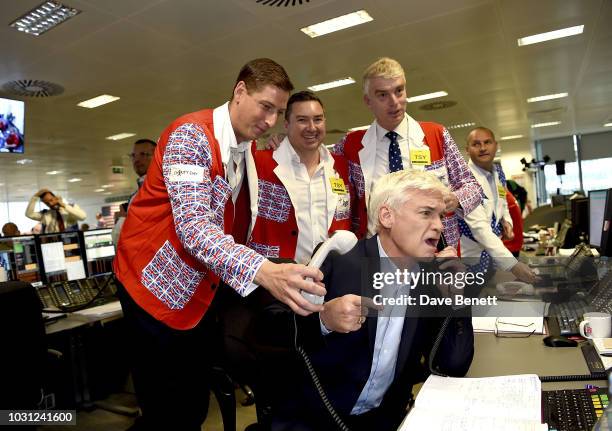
(71, 274)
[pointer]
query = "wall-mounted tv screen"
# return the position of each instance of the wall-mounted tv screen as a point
(12, 121)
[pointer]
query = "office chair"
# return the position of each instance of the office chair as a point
(25, 358)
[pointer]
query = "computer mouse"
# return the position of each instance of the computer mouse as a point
(559, 341)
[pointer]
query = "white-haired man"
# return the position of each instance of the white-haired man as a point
(368, 365)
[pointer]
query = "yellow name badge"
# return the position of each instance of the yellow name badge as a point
(501, 191)
(337, 186)
(420, 157)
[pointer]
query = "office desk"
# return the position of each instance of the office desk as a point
(495, 356)
(75, 327)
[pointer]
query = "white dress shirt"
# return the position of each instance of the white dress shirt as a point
(309, 198)
(381, 164)
(232, 152)
(479, 222)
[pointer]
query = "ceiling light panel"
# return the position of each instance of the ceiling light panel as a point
(546, 97)
(43, 18)
(120, 136)
(98, 101)
(509, 137)
(426, 96)
(550, 123)
(338, 23)
(332, 84)
(557, 34)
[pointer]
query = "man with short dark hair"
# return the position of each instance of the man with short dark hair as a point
(141, 156)
(300, 192)
(10, 229)
(178, 243)
(59, 217)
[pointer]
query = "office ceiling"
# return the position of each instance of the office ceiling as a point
(168, 57)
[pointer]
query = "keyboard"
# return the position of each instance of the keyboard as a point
(573, 409)
(568, 316)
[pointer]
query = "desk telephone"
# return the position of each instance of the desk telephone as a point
(67, 295)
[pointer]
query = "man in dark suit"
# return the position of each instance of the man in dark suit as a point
(367, 362)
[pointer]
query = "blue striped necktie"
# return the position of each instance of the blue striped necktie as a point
(395, 155)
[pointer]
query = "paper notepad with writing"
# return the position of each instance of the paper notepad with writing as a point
(511, 403)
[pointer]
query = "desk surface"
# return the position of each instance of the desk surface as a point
(495, 356)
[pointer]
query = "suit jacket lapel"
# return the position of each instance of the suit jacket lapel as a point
(372, 266)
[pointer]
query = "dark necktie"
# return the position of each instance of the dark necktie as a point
(60, 221)
(395, 155)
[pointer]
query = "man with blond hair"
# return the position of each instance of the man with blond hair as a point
(368, 362)
(395, 141)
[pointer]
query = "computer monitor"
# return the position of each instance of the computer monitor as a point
(99, 250)
(606, 235)
(580, 219)
(597, 207)
(62, 256)
(20, 259)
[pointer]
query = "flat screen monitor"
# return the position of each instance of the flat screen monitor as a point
(580, 219)
(606, 230)
(99, 250)
(12, 122)
(20, 259)
(597, 206)
(62, 256)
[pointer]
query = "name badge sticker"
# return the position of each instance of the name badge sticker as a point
(337, 186)
(420, 157)
(186, 173)
(501, 191)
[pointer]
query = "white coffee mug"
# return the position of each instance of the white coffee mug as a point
(596, 325)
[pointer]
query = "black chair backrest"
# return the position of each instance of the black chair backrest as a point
(24, 350)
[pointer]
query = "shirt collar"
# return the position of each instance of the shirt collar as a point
(482, 171)
(224, 133)
(326, 158)
(401, 130)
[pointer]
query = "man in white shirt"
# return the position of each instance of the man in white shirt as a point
(299, 192)
(59, 217)
(483, 229)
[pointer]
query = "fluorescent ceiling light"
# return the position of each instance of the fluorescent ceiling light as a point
(460, 126)
(107, 193)
(353, 129)
(608, 125)
(546, 97)
(23, 161)
(107, 186)
(98, 101)
(98, 190)
(54, 172)
(74, 180)
(557, 34)
(338, 23)
(120, 136)
(332, 84)
(507, 138)
(550, 123)
(43, 18)
(426, 96)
